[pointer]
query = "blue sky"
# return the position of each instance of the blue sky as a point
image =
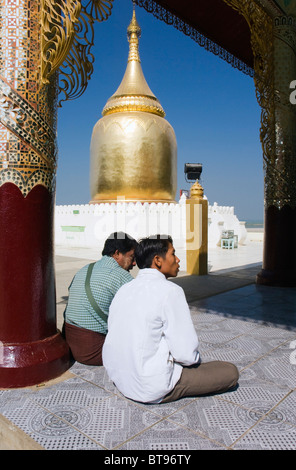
(211, 106)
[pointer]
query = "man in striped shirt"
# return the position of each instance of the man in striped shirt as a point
(90, 295)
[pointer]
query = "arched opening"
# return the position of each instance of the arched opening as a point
(212, 107)
(272, 41)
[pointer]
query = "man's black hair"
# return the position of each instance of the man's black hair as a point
(118, 241)
(151, 246)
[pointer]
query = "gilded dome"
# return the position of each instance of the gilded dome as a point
(133, 148)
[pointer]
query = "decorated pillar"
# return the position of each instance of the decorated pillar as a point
(279, 257)
(274, 47)
(197, 231)
(36, 39)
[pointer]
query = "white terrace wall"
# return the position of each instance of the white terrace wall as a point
(89, 225)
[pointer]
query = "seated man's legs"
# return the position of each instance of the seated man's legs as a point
(85, 345)
(204, 378)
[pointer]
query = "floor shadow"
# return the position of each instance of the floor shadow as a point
(274, 306)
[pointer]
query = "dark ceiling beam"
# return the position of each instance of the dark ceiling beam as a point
(212, 24)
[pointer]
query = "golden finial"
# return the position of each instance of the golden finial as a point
(196, 191)
(133, 34)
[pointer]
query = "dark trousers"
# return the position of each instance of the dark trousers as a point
(85, 345)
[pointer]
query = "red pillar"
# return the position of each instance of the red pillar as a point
(31, 348)
(33, 351)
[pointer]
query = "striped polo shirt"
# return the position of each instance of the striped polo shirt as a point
(107, 277)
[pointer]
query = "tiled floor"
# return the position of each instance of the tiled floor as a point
(252, 326)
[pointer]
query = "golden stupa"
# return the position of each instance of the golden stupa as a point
(133, 152)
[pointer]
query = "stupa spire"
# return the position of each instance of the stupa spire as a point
(133, 35)
(133, 93)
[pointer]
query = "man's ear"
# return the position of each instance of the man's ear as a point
(157, 262)
(116, 254)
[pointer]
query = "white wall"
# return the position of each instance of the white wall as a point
(89, 225)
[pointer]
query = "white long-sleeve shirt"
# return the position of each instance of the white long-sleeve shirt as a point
(150, 337)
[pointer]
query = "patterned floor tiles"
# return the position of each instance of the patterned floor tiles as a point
(52, 430)
(86, 411)
(278, 367)
(169, 436)
(276, 428)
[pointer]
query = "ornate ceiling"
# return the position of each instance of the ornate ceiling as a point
(214, 25)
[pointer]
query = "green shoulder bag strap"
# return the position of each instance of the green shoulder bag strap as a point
(90, 297)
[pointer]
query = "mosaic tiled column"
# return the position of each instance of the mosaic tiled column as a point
(31, 349)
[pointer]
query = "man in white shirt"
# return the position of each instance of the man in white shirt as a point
(151, 349)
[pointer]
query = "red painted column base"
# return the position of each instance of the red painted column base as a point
(31, 349)
(25, 364)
